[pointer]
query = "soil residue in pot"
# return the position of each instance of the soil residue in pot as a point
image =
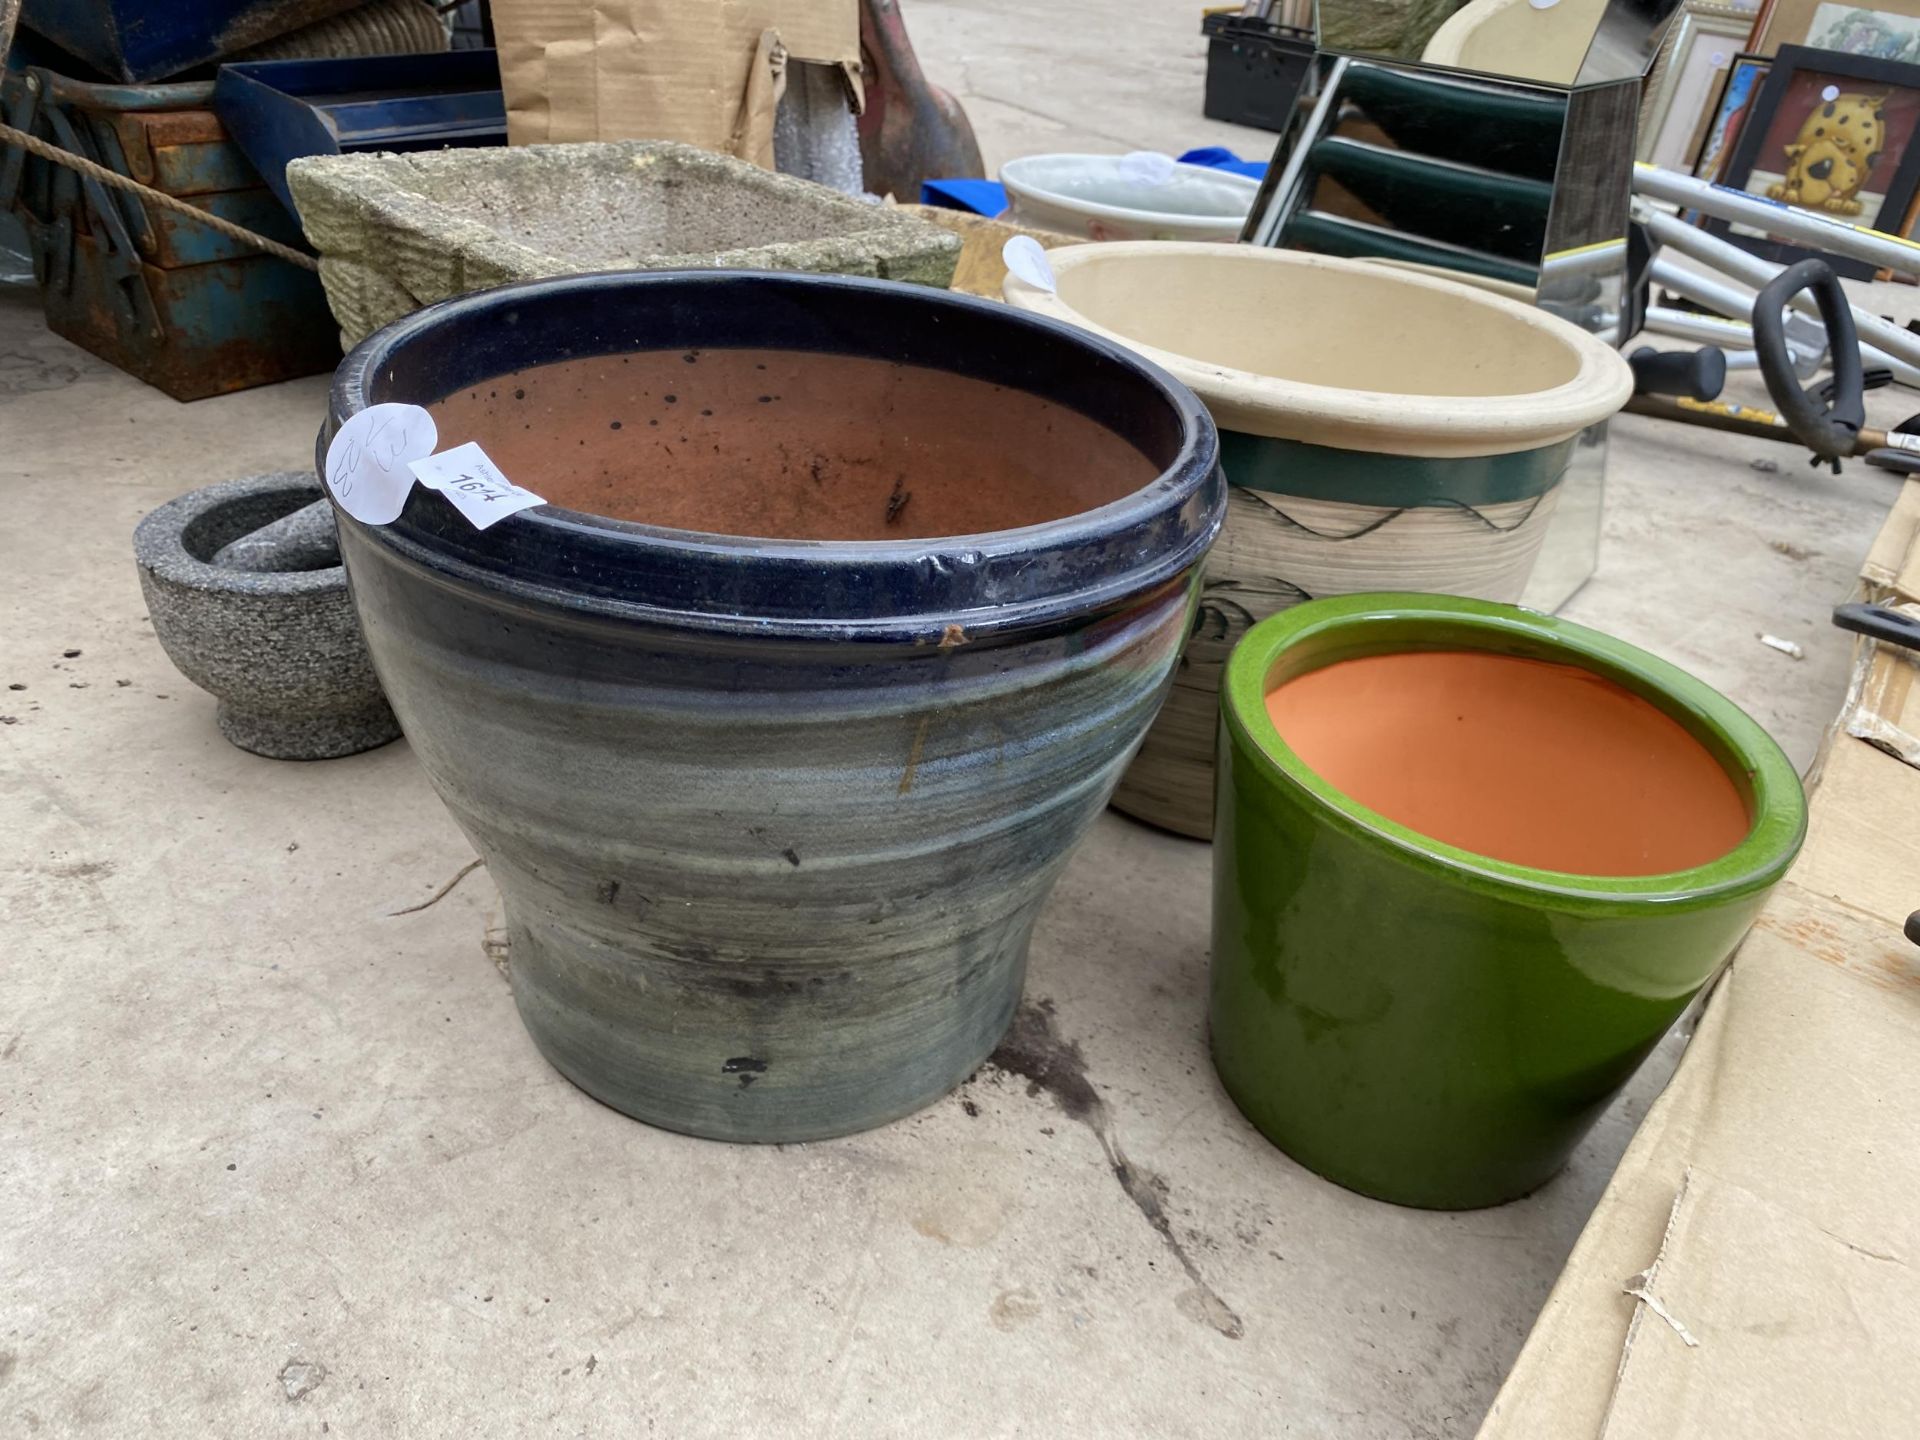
(1526, 761)
(791, 445)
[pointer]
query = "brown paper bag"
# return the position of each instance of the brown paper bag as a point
(708, 72)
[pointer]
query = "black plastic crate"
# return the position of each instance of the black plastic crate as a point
(1254, 69)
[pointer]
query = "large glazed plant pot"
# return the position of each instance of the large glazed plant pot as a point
(1380, 429)
(1435, 1012)
(776, 725)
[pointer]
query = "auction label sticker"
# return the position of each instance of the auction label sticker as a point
(467, 477)
(368, 459)
(1026, 260)
(377, 455)
(1148, 168)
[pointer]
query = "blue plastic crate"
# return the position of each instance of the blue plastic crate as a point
(280, 110)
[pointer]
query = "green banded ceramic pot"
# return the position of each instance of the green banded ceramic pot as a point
(1420, 1022)
(1381, 429)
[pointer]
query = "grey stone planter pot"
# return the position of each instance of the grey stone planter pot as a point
(396, 232)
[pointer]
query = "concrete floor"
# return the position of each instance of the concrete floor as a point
(1104, 76)
(275, 1160)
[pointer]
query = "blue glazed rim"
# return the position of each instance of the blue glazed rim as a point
(1001, 582)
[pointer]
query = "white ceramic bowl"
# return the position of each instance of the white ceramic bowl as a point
(1105, 198)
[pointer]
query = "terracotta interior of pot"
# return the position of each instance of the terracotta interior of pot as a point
(1529, 761)
(791, 445)
(1350, 329)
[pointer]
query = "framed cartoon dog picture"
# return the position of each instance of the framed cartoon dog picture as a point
(1830, 133)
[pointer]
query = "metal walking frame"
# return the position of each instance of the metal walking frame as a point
(1732, 292)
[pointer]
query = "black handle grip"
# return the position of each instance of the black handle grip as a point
(1880, 623)
(1697, 374)
(1829, 428)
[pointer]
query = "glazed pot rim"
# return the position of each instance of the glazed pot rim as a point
(1777, 800)
(1012, 178)
(989, 581)
(1436, 426)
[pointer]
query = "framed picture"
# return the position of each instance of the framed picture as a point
(1827, 25)
(1883, 34)
(1728, 111)
(1699, 47)
(1830, 133)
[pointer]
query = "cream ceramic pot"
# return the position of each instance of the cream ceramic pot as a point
(1123, 197)
(1381, 430)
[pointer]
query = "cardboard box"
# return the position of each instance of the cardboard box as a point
(706, 74)
(1753, 1269)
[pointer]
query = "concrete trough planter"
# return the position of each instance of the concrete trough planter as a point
(396, 232)
(776, 724)
(1380, 429)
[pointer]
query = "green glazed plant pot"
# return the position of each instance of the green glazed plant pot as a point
(1425, 1024)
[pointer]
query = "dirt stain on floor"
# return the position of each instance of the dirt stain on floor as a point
(1035, 1051)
